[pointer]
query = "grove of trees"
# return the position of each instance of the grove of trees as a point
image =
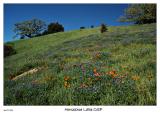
(35, 27)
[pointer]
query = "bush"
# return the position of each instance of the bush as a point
(92, 26)
(103, 28)
(9, 50)
(55, 27)
(82, 27)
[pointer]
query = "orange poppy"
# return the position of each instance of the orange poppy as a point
(96, 74)
(112, 72)
(66, 78)
(114, 75)
(94, 70)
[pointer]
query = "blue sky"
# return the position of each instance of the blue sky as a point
(71, 16)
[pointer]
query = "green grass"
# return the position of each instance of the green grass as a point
(128, 51)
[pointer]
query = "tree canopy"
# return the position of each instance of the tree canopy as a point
(29, 28)
(55, 27)
(103, 28)
(140, 14)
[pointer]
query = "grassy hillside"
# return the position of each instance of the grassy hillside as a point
(84, 67)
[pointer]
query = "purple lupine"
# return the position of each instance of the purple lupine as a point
(81, 78)
(83, 69)
(91, 73)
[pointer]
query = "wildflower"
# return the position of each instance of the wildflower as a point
(67, 84)
(98, 55)
(97, 78)
(83, 69)
(89, 78)
(117, 80)
(83, 85)
(122, 76)
(66, 78)
(135, 78)
(94, 70)
(122, 81)
(112, 73)
(81, 78)
(91, 74)
(96, 74)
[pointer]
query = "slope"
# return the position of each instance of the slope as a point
(84, 67)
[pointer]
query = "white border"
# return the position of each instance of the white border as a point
(60, 109)
(1, 56)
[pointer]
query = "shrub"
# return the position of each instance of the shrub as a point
(55, 27)
(92, 26)
(103, 28)
(9, 50)
(82, 27)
